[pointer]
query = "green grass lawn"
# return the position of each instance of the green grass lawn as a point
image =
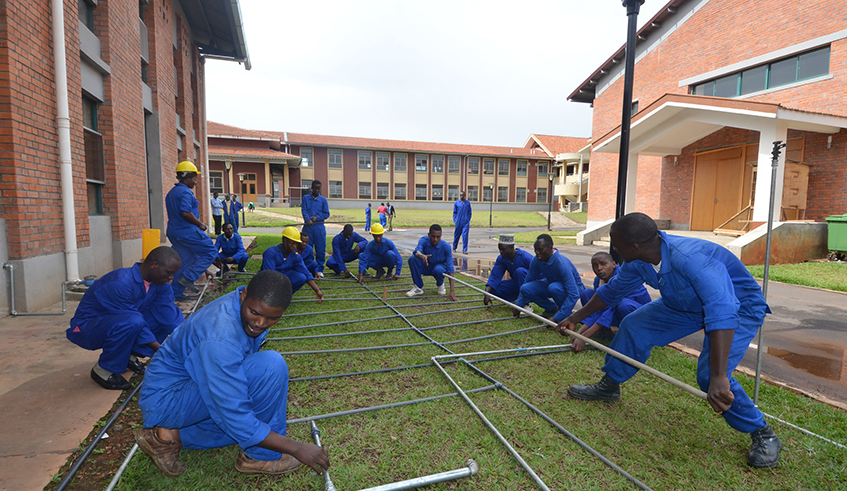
(559, 237)
(829, 275)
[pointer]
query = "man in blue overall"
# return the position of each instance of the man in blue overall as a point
(381, 255)
(186, 232)
(307, 252)
(127, 313)
(431, 257)
(703, 287)
(551, 275)
(231, 248)
(368, 218)
(210, 386)
(315, 211)
(462, 220)
(236, 208)
(346, 248)
(285, 259)
(516, 262)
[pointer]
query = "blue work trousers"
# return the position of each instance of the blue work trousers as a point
(417, 270)
(540, 292)
(241, 259)
(619, 311)
(655, 324)
(267, 380)
(368, 223)
(461, 231)
(297, 279)
(118, 336)
(197, 252)
(317, 238)
(510, 289)
(383, 219)
(346, 257)
(387, 261)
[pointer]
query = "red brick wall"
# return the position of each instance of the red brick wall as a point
(827, 175)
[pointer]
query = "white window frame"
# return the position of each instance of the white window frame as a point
(366, 159)
(330, 153)
(450, 167)
(401, 157)
(383, 161)
(425, 160)
(522, 164)
(500, 164)
(307, 161)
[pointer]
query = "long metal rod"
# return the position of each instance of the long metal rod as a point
(314, 300)
(335, 311)
(559, 427)
(353, 350)
(471, 469)
(15, 313)
(341, 334)
(804, 430)
(667, 378)
(340, 323)
(448, 310)
(489, 336)
(483, 321)
(199, 298)
(316, 434)
(122, 468)
(491, 427)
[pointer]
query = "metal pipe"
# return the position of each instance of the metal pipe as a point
(316, 434)
(468, 323)
(199, 298)
(15, 313)
(491, 427)
(312, 300)
(471, 469)
(335, 311)
(433, 303)
(448, 310)
(637, 364)
(319, 336)
(353, 321)
(489, 336)
(803, 430)
(122, 468)
(352, 350)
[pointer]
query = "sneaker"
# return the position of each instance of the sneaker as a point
(319, 274)
(188, 284)
(164, 454)
(528, 308)
(246, 465)
(380, 272)
(114, 382)
(415, 291)
(764, 452)
(442, 290)
(605, 390)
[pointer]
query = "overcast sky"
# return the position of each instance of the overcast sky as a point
(452, 71)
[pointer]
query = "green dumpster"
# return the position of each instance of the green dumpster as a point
(836, 226)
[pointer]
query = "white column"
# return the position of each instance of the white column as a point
(631, 178)
(773, 131)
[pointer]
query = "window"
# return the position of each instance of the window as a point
(399, 162)
(307, 157)
(452, 193)
(306, 185)
(437, 192)
(486, 194)
(454, 164)
(520, 195)
(216, 181)
(420, 192)
(541, 195)
(95, 163)
(86, 14)
(383, 161)
(400, 190)
(365, 160)
(382, 190)
(335, 158)
(335, 189)
(364, 190)
(438, 164)
(473, 166)
(521, 167)
(775, 74)
(633, 109)
(502, 194)
(503, 167)
(420, 163)
(488, 167)
(542, 169)
(473, 193)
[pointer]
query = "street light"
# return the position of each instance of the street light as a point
(228, 167)
(241, 185)
(549, 199)
(490, 203)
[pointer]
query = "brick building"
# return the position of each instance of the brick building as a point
(716, 83)
(100, 101)
(275, 167)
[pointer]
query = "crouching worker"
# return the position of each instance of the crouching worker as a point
(553, 282)
(285, 259)
(211, 387)
(230, 249)
(346, 248)
(600, 323)
(307, 252)
(381, 255)
(128, 313)
(516, 262)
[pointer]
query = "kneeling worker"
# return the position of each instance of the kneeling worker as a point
(285, 259)
(346, 247)
(211, 387)
(380, 254)
(230, 248)
(128, 313)
(516, 262)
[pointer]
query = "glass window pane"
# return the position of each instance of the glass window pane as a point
(399, 191)
(400, 163)
(783, 72)
(753, 80)
(813, 64)
(707, 88)
(473, 193)
(727, 86)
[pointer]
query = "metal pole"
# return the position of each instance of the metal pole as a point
(490, 206)
(316, 434)
(777, 147)
(122, 468)
(471, 470)
(549, 198)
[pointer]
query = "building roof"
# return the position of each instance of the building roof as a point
(218, 28)
(242, 152)
(220, 130)
(554, 145)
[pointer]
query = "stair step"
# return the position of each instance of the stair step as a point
(602, 243)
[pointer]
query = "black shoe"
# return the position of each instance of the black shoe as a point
(605, 390)
(114, 382)
(136, 366)
(548, 314)
(380, 272)
(188, 284)
(764, 453)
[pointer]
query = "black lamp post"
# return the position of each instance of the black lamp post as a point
(490, 203)
(228, 167)
(241, 185)
(549, 199)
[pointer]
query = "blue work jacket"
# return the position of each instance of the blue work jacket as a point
(558, 269)
(314, 207)
(523, 259)
(373, 250)
(340, 245)
(462, 212)
(181, 198)
(229, 247)
(441, 253)
(273, 259)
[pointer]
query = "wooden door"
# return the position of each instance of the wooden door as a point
(718, 186)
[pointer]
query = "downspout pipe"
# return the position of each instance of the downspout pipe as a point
(63, 123)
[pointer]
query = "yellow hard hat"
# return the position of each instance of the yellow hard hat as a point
(291, 233)
(186, 166)
(376, 229)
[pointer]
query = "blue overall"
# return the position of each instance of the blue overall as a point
(318, 208)
(703, 286)
(120, 315)
(367, 219)
(342, 251)
(441, 261)
(613, 315)
(194, 247)
(462, 219)
(291, 266)
(382, 255)
(308, 255)
(233, 248)
(236, 207)
(211, 382)
(561, 283)
(518, 269)
(230, 215)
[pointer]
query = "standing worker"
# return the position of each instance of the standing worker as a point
(462, 220)
(391, 213)
(379, 254)
(368, 218)
(383, 214)
(217, 212)
(315, 211)
(236, 208)
(186, 232)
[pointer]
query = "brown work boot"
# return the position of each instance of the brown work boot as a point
(284, 465)
(163, 453)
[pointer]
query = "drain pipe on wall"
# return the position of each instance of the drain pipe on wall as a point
(15, 313)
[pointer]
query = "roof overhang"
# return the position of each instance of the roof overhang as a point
(675, 121)
(218, 29)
